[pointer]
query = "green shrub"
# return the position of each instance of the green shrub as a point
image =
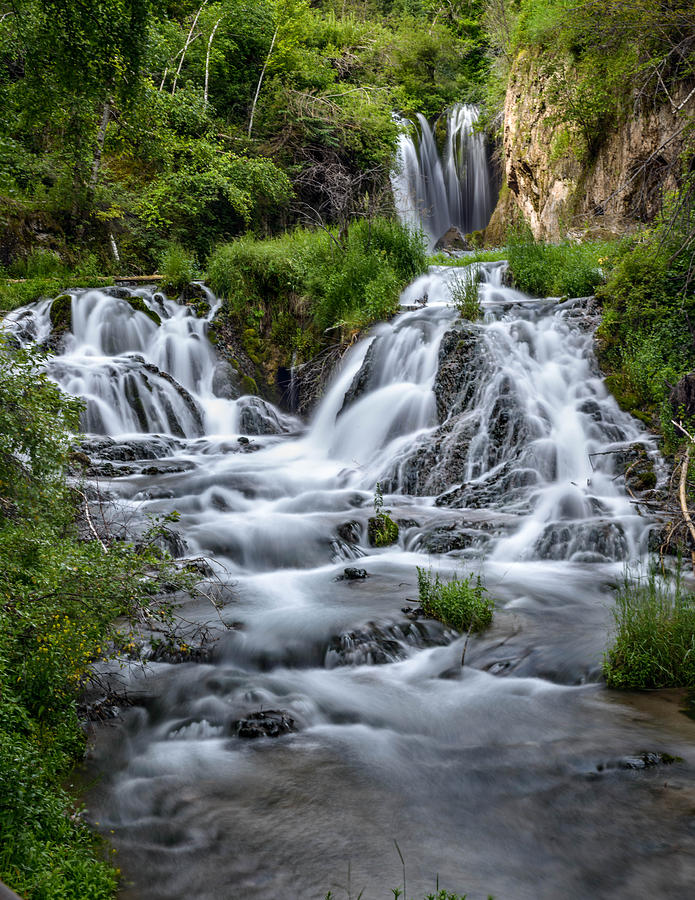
(464, 293)
(352, 280)
(177, 268)
(462, 602)
(566, 269)
(654, 644)
(381, 529)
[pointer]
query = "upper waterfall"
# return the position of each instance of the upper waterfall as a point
(434, 189)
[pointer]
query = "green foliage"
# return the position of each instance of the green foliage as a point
(59, 597)
(645, 339)
(382, 530)
(567, 269)
(464, 294)
(654, 644)
(176, 267)
(16, 294)
(462, 602)
(353, 281)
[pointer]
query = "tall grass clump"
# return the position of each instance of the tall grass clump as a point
(654, 643)
(463, 287)
(462, 602)
(176, 267)
(352, 278)
(566, 269)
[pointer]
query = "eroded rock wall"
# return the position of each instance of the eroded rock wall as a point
(559, 189)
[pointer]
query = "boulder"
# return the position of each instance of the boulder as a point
(267, 723)
(453, 239)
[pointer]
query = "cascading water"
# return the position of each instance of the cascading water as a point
(494, 442)
(433, 191)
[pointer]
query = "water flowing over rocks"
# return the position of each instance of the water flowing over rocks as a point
(500, 453)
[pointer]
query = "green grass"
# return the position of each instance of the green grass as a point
(19, 293)
(442, 259)
(349, 279)
(461, 602)
(566, 269)
(176, 266)
(464, 294)
(654, 641)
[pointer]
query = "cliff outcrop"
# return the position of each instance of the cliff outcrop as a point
(559, 186)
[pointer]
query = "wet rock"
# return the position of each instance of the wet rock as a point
(200, 567)
(382, 530)
(458, 374)
(350, 532)
(226, 382)
(138, 304)
(267, 723)
(636, 465)
(133, 449)
(447, 538)
(352, 574)
(379, 644)
(682, 397)
(452, 239)
(259, 418)
(362, 381)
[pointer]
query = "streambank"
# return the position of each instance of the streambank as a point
(492, 441)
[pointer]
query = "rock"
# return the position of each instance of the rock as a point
(382, 530)
(257, 418)
(460, 365)
(60, 314)
(226, 382)
(139, 305)
(682, 397)
(350, 532)
(267, 723)
(452, 240)
(378, 643)
(353, 574)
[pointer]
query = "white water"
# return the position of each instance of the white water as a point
(434, 191)
(489, 781)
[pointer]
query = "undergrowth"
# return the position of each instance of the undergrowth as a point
(654, 644)
(350, 279)
(567, 269)
(461, 602)
(463, 288)
(59, 597)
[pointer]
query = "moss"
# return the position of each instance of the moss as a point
(249, 386)
(627, 399)
(139, 305)
(382, 530)
(61, 313)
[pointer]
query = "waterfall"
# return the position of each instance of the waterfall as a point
(500, 452)
(434, 190)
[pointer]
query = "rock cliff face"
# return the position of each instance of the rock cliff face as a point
(556, 190)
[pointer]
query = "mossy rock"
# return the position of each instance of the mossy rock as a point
(382, 530)
(139, 305)
(249, 386)
(61, 314)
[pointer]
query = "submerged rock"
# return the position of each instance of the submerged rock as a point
(267, 723)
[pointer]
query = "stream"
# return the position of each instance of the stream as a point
(519, 775)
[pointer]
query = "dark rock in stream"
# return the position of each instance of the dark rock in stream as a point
(352, 574)
(350, 532)
(259, 418)
(460, 360)
(378, 644)
(267, 723)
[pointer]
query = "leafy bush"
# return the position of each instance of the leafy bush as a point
(654, 645)
(176, 267)
(59, 597)
(567, 269)
(462, 602)
(354, 280)
(464, 293)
